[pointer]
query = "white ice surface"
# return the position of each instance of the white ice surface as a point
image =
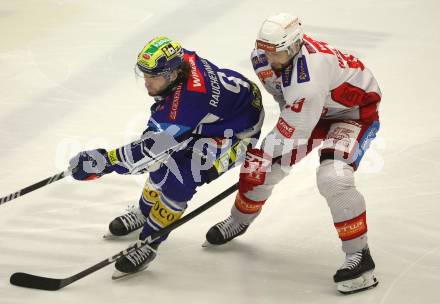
(66, 84)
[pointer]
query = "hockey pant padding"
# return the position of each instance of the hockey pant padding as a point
(335, 180)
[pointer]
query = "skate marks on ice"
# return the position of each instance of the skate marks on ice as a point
(403, 203)
(348, 39)
(393, 294)
(82, 85)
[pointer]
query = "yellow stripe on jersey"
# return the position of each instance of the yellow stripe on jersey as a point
(163, 215)
(113, 157)
(150, 194)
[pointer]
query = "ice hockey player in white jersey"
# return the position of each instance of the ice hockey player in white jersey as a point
(326, 97)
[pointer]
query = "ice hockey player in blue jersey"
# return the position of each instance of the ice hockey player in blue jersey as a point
(202, 121)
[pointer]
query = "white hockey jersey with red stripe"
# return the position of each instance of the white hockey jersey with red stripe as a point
(321, 82)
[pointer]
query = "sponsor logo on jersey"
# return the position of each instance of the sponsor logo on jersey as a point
(163, 214)
(296, 106)
(175, 103)
(259, 61)
(150, 195)
(196, 82)
(302, 70)
(348, 95)
(353, 228)
(265, 74)
(247, 206)
(284, 128)
(266, 46)
(287, 75)
(342, 136)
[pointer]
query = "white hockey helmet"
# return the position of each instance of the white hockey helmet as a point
(279, 32)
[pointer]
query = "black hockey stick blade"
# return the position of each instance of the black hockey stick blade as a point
(32, 281)
(37, 282)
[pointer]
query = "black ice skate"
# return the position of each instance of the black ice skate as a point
(136, 261)
(224, 231)
(356, 274)
(126, 223)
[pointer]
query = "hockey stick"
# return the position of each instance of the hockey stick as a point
(61, 175)
(35, 186)
(45, 283)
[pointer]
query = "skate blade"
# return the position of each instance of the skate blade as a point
(117, 275)
(109, 236)
(207, 244)
(364, 282)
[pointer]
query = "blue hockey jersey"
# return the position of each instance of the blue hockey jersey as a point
(212, 102)
(209, 102)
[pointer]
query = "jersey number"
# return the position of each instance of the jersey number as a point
(233, 83)
(345, 60)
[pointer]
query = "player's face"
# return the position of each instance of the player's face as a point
(155, 84)
(278, 59)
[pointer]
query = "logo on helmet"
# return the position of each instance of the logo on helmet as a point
(159, 41)
(266, 46)
(146, 56)
(169, 50)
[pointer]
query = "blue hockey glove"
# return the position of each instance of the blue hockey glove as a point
(88, 165)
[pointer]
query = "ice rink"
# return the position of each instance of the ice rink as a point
(67, 84)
